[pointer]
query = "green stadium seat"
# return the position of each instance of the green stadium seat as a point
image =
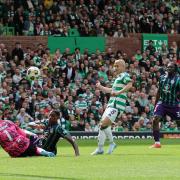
(7, 31)
(73, 32)
(2, 30)
(10, 31)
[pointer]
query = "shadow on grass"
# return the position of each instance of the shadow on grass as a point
(142, 155)
(34, 176)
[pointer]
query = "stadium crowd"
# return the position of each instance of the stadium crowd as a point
(115, 18)
(68, 81)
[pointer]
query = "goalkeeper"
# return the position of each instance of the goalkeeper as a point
(18, 142)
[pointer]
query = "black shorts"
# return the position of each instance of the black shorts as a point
(31, 150)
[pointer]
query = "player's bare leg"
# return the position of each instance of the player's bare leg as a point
(73, 143)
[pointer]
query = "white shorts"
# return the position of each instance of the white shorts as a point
(111, 113)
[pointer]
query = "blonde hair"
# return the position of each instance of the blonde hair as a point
(121, 61)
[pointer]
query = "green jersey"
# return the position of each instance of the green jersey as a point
(119, 102)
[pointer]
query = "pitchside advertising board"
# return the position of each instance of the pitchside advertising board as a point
(158, 40)
(124, 135)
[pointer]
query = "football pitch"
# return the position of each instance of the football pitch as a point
(132, 159)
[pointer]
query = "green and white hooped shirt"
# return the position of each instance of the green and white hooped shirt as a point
(119, 102)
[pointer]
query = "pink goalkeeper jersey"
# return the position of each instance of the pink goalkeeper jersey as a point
(12, 139)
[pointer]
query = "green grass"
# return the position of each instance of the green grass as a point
(131, 160)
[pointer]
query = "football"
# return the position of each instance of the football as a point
(33, 73)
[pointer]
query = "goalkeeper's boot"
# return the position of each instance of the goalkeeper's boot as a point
(96, 152)
(112, 146)
(155, 145)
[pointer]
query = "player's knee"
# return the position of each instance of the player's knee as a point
(105, 123)
(156, 120)
(103, 127)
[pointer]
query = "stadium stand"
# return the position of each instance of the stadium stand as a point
(91, 18)
(68, 79)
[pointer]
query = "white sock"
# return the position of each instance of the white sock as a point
(101, 139)
(109, 135)
(157, 142)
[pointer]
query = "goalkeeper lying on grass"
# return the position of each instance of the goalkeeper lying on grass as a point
(18, 142)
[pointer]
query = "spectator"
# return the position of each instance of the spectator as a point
(91, 18)
(151, 47)
(81, 104)
(142, 101)
(17, 77)
(70, 72)
(76, 95)
(17, 53)
(23, 117)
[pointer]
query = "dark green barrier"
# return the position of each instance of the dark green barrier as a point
(92, 43)
(61, 42)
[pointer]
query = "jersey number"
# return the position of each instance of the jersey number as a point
(178, 114)
(8, 135)
(112, 112)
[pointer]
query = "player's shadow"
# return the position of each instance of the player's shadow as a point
(143, 154)
(34, 176)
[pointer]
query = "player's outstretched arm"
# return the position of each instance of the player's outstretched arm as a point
(102, 88)
(73, 143)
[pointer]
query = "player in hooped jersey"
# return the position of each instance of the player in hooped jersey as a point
(19, 143)
(167, 100)
(115, 106)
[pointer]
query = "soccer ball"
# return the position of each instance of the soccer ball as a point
(33, 73)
